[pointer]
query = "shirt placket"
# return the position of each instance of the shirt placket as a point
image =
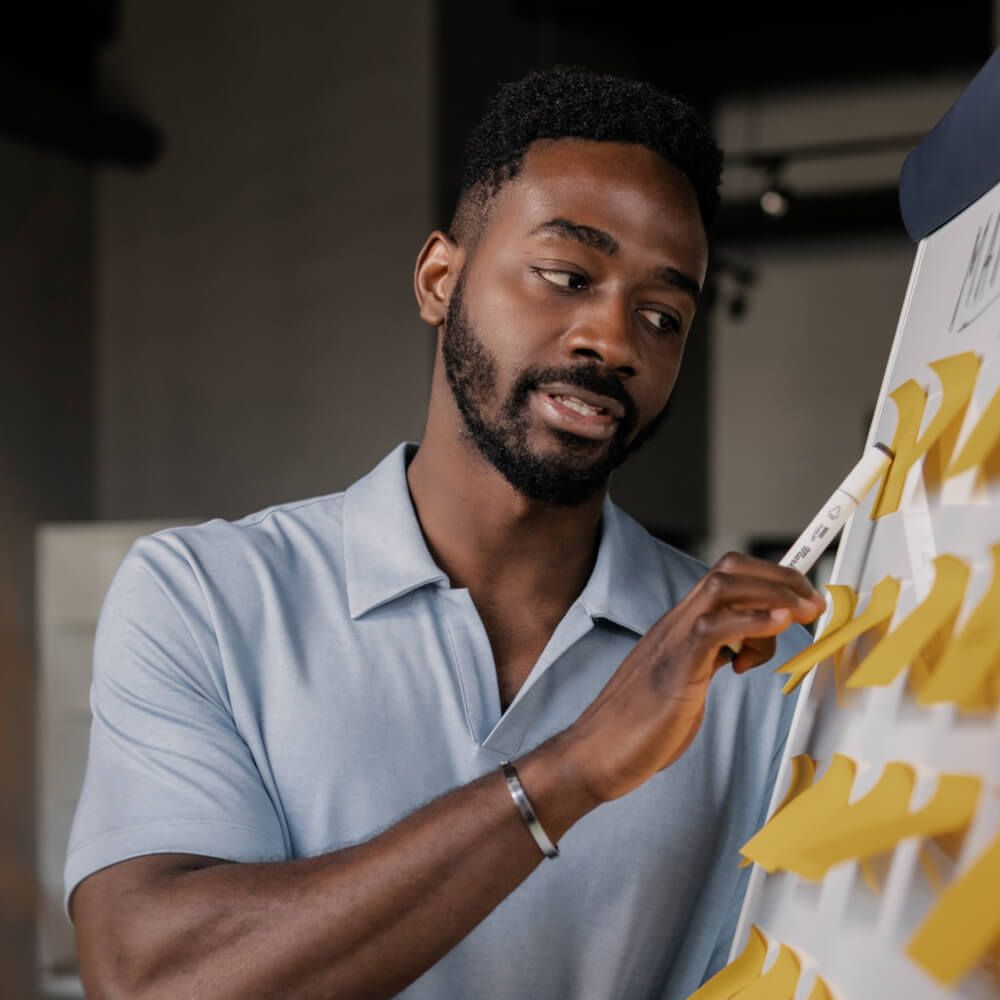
(472, 661)
(476, 670)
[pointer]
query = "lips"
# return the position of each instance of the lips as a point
(576, 411)
(592, 401)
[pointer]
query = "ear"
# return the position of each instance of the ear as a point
(438, 265)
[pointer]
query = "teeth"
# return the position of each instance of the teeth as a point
(579, 405)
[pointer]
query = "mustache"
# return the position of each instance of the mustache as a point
(591, 377)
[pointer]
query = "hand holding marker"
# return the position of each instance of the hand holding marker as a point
(833, 515)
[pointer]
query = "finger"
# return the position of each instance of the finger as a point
(745, 592)
(754, 653)
(715, 630)
(736, 563)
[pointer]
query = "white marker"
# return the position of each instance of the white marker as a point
(833, 515)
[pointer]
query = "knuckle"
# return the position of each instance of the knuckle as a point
(718, 582)
(757, 620)
(730, 561)
(704, 626)
(798, 583)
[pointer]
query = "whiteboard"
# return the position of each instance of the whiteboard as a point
(840, 928)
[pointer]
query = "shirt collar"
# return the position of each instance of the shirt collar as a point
(386, 555)
(629, 584)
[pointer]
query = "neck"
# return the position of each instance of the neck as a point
(484, 534)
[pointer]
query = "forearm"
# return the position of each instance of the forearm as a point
(368, 920)
(364, 921)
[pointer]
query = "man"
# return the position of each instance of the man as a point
(295, 785)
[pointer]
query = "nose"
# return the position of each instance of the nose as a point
(604, 334)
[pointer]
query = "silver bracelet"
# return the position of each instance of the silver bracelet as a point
(527, 813)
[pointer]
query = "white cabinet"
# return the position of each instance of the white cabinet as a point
(75, 565)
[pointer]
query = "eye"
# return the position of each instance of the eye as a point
(562, 279)
(662, 322)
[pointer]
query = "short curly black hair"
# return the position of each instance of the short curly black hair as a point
(570, 102)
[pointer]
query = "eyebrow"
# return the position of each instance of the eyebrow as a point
(678, 279)
(599, 239)
(587, 235)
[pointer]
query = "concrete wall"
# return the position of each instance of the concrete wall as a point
(258, 334)
(794, 383)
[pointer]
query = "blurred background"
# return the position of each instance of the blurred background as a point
(209, 214)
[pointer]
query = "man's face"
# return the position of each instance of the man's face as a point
(565, 331)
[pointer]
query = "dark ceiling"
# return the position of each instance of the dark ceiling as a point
(706, 52)
(49, 94)
(711, 48)
(50, 55)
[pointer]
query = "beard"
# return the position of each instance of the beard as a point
(565, 477)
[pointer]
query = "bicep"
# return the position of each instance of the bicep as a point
(115, 912)
(101, 894)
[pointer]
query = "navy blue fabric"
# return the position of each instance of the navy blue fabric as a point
(958, 161)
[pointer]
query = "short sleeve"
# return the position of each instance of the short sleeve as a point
(167, 769)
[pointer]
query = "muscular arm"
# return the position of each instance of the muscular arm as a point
(364, 921)
(368, 920)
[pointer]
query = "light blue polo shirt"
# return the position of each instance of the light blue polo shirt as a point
(298, 681)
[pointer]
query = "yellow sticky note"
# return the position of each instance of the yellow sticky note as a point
(958, 378)
(881, 818)
(803, 773)
(879, 610)
(964, 925)
(741, 971)
(910, 399)
(930, 869)
(990, 469)
(820, 991)
(869, 875)
(984, 438)
(964, 673)
(903, 644)
(842, 602)
(924, 662)
(797, 821)
(778, 983)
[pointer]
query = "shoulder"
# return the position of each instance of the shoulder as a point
(200, 581)
(680, 571)
(219, 549)
(643, 556)
(280, 525)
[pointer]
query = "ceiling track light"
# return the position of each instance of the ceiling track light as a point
(776, 200)
(730, 282)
